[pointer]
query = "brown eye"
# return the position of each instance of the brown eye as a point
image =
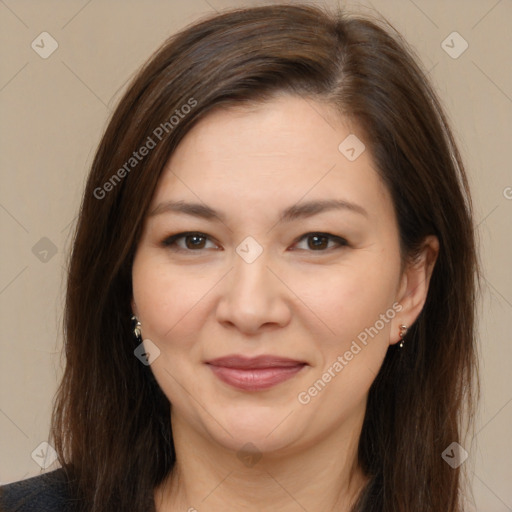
(192, 242)
(319, 242)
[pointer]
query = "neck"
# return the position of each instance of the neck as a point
(323, 476)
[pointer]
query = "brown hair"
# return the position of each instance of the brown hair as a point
(111, 424)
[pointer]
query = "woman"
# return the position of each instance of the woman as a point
(270, 301)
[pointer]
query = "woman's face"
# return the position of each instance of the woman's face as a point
(274, 314)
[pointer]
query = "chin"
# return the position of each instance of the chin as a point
(262, 427)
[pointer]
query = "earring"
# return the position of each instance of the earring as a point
(403, 332)
(136, 328)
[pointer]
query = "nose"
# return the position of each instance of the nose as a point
(253, 298)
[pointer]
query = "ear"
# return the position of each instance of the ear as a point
(134, 307)
(413, 288)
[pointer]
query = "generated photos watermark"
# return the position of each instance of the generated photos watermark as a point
(305, 397)
(151, 142)
(455, 455)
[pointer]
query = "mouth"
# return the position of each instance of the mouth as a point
(255, 374)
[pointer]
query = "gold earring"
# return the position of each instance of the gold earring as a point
(403, 332)
(137, 328)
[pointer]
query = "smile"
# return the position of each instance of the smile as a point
(255, 374)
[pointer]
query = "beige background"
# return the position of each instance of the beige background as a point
(54, 110)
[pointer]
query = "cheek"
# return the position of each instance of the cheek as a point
(350, 298)
(169, 306)
(358, 306)
(166, 301)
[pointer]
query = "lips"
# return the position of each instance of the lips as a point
(255, 374)
(259, 362)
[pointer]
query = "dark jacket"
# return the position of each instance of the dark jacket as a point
(48, 492)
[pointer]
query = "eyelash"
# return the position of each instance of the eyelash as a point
(170, 242)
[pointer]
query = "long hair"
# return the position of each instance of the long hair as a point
(111, 422)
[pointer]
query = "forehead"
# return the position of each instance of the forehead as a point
(270, 155)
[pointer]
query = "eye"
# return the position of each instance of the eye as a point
(196, 241)
(320, 241)
(193, 241)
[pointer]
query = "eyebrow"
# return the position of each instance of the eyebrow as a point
(294, 212)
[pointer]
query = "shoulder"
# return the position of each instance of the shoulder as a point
(49, 491)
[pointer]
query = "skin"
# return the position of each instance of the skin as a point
(294, 300)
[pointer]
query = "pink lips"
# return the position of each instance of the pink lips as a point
(254, 374)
